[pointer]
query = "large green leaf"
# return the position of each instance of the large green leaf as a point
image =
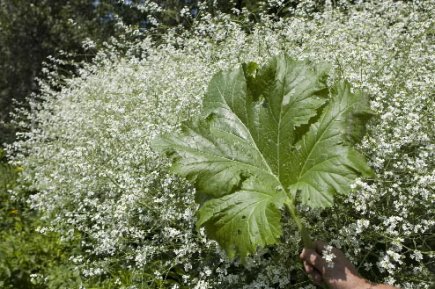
(267, 137)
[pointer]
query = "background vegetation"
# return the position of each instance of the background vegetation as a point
(85, 202)
(36, 31)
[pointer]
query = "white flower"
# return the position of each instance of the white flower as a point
(417, 256)
(328, 256)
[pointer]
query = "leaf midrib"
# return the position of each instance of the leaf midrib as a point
(249, 132)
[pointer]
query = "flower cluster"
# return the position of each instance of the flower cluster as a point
(87, 149)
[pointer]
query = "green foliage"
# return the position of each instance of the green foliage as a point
(32, 30)
(26, 255)
(267, 138)
(88, 153)
(7, 174)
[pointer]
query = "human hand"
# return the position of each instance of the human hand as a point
(338, 273)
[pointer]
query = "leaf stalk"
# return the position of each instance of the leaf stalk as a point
(305, 236)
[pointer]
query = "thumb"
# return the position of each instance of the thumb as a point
(314, 259)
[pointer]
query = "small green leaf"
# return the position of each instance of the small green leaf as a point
(268, 137)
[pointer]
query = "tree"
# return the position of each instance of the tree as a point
(30, 31)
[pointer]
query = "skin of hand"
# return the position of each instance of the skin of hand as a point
(342, 275)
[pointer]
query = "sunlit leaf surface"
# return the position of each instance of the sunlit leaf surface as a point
(266, 136)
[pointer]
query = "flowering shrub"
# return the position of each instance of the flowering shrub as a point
(27, 256)
(87, 150)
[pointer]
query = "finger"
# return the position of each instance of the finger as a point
(308, 268)
(302, 254)
(316, 277)
(314, 259)
(306, 253)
